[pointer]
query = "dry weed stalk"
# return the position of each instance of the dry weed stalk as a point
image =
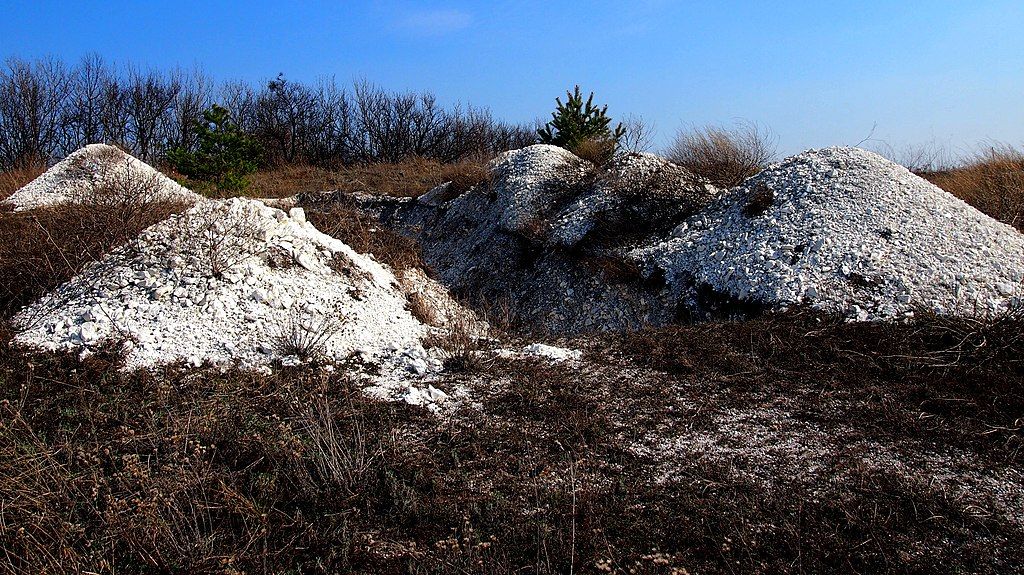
(342, 455)
(305, 335)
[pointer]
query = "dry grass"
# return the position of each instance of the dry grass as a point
(43, 248)
(238, 473)
(364, 233)
(992, 181)
(595, 150)
(725, 156)
(407, 179)
(13, 180)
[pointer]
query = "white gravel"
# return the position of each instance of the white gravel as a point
(849, 232)
(527, 179)
(230, 283)
(98, 173)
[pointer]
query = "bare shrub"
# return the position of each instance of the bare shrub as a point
(921, 158)
(45, 247)
(461, 342)
(724, 156)
(305, 335)
(992, 181)
(220, 237)
(341, 452)
(123, 189)
(639, 135)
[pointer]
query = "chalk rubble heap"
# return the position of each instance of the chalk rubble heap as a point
(845, 230)
(233, 282)
(97, 174)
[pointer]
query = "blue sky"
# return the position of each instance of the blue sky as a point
(816, 73)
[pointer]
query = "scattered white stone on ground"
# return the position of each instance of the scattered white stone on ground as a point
(846, 231)
(543, 351)
(99, 173)
(551, 352)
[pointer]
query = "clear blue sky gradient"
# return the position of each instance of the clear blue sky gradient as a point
(817, 73)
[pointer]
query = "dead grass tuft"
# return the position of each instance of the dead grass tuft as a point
(595, 150)
(725, 156)
(13, 180)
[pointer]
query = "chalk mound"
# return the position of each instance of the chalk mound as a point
(233, 282)
(526, 181)
(99, 174)
(847, 231)
(541, 241)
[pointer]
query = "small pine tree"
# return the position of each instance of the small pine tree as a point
(576, 123)
(226, 155)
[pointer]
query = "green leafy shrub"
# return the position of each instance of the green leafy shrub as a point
(225, 156)
(582, 127)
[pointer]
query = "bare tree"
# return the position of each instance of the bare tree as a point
(32, 100)
(84, 118)
(194, 96)
(639, 136)
(47, 111)
(149, 99)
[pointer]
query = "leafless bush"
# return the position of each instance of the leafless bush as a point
(221, 236)
(341, 454)
(122, 189)
(922, 158)
(305, 335)
(43, 248)
(724, 156)
(639, 136)
(461, 341)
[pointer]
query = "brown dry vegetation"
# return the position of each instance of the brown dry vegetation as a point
(42, 248)
(725, 156)
(992, 181)
(363, 233)
(13, 180)
(407, 179)
(298, 472)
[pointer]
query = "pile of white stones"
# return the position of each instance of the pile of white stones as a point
(99, 173)
(847, 231)
(233, 282)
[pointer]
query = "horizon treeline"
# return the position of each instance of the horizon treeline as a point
(49, 108)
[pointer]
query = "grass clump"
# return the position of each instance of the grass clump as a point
(725, 156)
